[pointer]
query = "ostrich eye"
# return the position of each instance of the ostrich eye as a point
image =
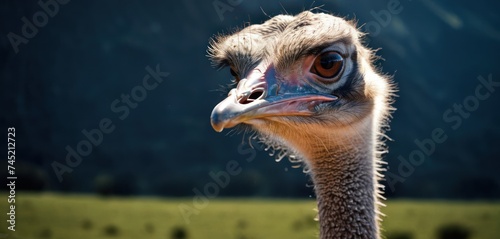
(328, 64)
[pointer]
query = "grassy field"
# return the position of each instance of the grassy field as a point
(76, 216)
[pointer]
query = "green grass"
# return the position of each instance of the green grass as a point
(80, 216)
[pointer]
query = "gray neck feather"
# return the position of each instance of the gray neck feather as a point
(345, 186)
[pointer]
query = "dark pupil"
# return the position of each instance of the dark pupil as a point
(329, 60)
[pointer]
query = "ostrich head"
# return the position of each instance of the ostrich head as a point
(306, 83)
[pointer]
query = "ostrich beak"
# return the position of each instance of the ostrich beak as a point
(260, 95)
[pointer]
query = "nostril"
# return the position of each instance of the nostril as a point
(248, 97)
(256, 94)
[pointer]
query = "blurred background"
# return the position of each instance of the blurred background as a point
(65, 79)
(62, 74)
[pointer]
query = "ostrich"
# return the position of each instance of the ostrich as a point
(307, 85)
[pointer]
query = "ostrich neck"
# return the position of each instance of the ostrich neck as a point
(343, 171)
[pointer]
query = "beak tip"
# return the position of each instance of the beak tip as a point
(217, 123)
(217, 128)
(222, 114)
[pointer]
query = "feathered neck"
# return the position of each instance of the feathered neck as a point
(343, 165)
(344, 171)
